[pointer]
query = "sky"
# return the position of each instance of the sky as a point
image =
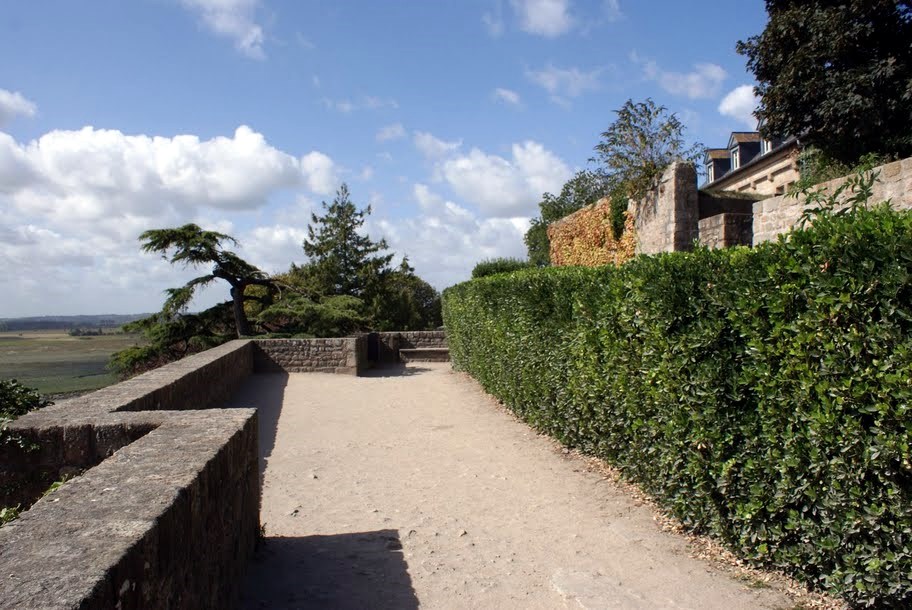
(450, 118)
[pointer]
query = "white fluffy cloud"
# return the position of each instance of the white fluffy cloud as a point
(740, 104)
(507, 96)
(506, 187)
(391, 132)
(445, 240)
(13, 104)
(563, 83)
(320, 173)
(703, 82)
(549, 18)
(75, 201)
(234, 19)
(433, 147)
(92, 174)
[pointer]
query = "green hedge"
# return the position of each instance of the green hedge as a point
(762, 395)
(491, 266)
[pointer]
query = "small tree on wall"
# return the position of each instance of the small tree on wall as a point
(636, 148)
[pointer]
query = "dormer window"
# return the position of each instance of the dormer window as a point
(736, 157)
(709, 172)
(765, 146)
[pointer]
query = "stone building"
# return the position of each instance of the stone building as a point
(752, 164)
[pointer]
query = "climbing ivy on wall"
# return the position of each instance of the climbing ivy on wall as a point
(587, 238)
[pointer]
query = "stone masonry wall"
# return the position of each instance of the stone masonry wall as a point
(347, 356)
(667, 219)
(778, 215)
(726, 230)
(166, 512)
(169, 514)
(412, 339)
(389, 343)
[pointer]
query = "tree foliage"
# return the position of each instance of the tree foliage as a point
(342, 260)
(636, 148)
(168, 337)
(584, 188)
(493, 266)
(836, 73)
(190, 245)
(346, 286)
(17, 400)
(406, 302)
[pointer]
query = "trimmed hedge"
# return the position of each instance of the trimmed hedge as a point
(492, 266)
(762, 395)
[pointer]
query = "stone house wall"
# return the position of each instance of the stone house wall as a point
(777, 215)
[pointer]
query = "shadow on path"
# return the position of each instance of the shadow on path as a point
(360, 570)
(265, 392)
(395, 370)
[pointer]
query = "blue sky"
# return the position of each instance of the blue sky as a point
(450, 117)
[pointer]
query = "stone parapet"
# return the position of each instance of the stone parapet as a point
(347, 356)
(166, 513)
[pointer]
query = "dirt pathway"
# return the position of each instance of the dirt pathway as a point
(416, 489)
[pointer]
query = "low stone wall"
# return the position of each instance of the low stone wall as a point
(167, 514)
(726, 230)
(417, 339)
(346, 356)
(389, 343)
(778, 215)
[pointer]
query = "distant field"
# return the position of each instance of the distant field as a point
(56, 363)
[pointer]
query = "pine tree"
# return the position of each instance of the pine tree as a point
(342, 261)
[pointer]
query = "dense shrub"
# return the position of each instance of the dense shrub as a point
(762, 395)
(493, 266)
(17, 399)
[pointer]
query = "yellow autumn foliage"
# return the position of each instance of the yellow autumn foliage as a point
(586, 238)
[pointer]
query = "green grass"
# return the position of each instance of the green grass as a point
(55, 363)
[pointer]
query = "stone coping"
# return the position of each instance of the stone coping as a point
(167, 514)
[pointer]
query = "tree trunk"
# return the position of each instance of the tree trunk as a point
(240, 318)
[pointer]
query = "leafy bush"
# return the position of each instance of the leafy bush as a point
(814, 167)
(492, 266)
(761, 395)
(17, 400)
(170, 337)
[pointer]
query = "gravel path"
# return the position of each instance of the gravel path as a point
(412, 488)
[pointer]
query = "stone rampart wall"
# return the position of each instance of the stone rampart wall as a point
(346, 356)
(167, 514)
(778, 215)
(389, 343)
(166, 511)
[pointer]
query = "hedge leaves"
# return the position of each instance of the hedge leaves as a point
(761, 395)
